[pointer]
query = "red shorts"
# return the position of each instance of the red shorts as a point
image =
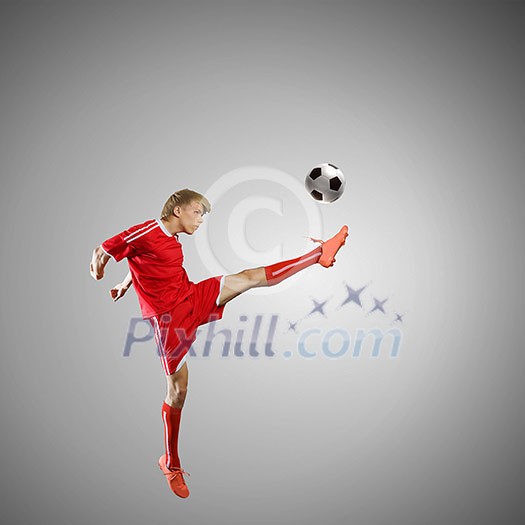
(175, 331)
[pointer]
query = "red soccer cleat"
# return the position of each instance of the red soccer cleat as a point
(331, 247)
(175, 478)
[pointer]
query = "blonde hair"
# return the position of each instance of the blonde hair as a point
(183, 198)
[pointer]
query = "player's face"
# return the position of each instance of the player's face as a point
(191, 217)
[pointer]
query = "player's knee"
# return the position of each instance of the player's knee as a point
(181, 397)
(177, 392)
(180, 394)
(177, 397)
(253, 276)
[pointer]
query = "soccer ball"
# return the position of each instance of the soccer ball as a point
(325, 183)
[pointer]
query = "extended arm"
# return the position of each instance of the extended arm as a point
(99, 260)
(120, 289)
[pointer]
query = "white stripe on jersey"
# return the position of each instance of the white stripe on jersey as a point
(135, 235)
(139, 230)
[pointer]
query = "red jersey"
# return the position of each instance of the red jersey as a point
(155, 260)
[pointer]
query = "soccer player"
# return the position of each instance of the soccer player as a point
(175, 306)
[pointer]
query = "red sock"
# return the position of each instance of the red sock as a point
(275, 273)
(171, 418)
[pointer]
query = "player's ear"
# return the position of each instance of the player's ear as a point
(176, 211)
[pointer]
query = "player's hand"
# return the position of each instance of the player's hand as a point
(118, 291)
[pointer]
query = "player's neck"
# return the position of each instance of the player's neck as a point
(172, 225)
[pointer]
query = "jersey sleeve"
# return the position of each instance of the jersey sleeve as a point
(128, 243)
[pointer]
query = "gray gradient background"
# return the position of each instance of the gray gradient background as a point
(107, 107)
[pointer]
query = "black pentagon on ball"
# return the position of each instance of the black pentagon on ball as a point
(316, 195)
(315, 173)
(335, 183)
(335, 167)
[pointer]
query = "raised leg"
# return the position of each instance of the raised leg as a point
(236, 284)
